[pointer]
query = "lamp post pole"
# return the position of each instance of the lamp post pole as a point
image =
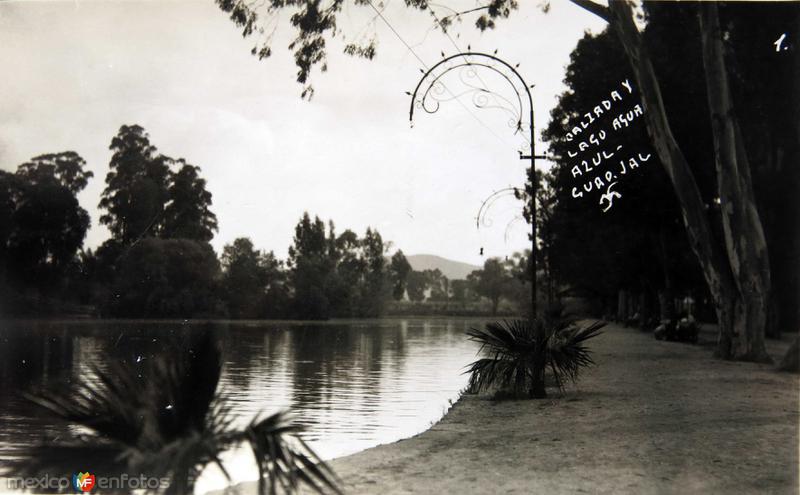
(534, 186)
(431, 91)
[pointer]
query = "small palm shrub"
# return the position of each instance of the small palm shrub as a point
(164, 418)
(518, 353)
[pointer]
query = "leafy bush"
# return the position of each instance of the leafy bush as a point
(519, 352)
(168, 278)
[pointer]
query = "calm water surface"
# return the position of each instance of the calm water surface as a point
(353, 384)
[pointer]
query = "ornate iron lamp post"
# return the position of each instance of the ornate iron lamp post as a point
(431, 91)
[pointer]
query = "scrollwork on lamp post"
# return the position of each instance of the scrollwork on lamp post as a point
(431, 92)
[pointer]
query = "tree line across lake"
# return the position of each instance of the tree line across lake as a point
(159, 263)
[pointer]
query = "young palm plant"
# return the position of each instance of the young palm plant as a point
(165, 419)
(519, 352)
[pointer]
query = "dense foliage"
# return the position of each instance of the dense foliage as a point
(165, 278)
(42, 227)
(640, 248)
(158, 262)
(640, 245)
(329, 275)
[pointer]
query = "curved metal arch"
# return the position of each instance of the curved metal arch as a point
(487, 203)
(487, 61)
(415, 99)
(422, 102)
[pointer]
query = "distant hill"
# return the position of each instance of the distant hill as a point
(454, 270)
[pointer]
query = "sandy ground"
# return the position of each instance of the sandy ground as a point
(651, 417)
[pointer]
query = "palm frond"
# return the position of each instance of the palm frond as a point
(487, 373)
(569, 353)
(165, 419)
(517, 353)
(283, 458)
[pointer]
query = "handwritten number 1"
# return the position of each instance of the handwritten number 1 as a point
(778, 43)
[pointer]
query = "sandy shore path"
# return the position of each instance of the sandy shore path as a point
(651, 417)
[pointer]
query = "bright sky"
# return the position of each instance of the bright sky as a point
(75, 71)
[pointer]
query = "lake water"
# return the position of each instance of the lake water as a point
(352, 384)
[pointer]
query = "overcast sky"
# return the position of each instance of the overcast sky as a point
(75, 71)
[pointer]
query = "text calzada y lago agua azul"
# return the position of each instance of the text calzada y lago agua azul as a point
(600, 169)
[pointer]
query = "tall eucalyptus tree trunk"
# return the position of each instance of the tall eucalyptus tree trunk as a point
(745, 243)
(737, 301)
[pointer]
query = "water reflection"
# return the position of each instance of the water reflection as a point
(353, 384)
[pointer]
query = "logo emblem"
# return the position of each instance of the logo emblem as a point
(609, 196)
(83, 482)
